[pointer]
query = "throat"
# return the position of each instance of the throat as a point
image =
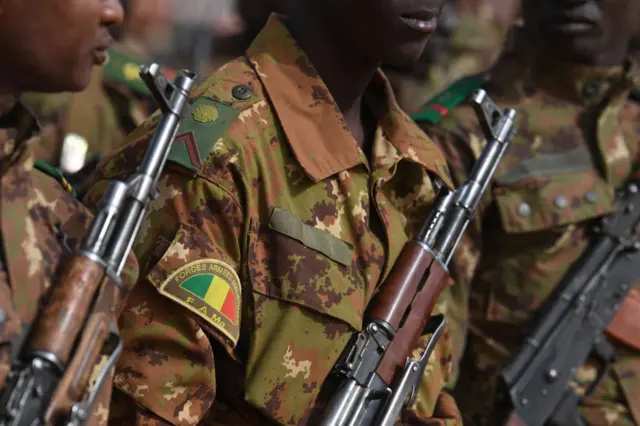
(362, 124)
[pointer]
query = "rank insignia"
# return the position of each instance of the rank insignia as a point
(210, 289)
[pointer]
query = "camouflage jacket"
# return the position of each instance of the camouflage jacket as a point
(271, 234)
(35, 212)
(578, 139)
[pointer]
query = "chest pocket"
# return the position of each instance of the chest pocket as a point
(540, 230)
(308, 299)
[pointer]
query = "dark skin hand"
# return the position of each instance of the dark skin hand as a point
(347, 40)
(589, 32)
(52, 45)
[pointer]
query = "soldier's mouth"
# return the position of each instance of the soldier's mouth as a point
(100, 56)
(425, 20)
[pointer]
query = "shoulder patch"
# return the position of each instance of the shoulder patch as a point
(210, 289)
(207, 121)
(53, 172)
(635, 94)
(440, 105)
(124, 69)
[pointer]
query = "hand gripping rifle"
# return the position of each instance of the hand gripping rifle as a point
(535, 382)
(49, 381)
(378, 378)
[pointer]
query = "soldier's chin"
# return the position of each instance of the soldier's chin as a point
(405, 56)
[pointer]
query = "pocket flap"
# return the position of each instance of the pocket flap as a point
(292, 263)
(553, 200)
(321, 241)
(198, 276)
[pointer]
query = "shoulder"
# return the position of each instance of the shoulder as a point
(225, 111)
(123, 71)
(438, 107)
(46, 169)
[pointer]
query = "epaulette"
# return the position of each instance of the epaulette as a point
(440, 105)
(125, 69)
(205, 122)
(635, 94)
(53, 172)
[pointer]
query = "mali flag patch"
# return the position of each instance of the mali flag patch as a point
(210, 289)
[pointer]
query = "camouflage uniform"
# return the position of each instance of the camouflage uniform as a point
(271, 234)
(100, 117)
(578, 139)
(35, 212)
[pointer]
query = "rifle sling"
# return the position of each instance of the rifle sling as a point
(625, 325)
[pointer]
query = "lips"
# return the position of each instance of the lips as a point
(424, 20)
(100, 52)
(582, 18)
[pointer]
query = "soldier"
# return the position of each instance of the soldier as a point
(569, 75)
(79, 128)
(46, 45)
(291, 188)
(474, 33)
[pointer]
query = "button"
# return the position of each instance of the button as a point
(3, 316)
(591, 197)
(524, 210)
(241, 92)
(590, 89)
(561, 202)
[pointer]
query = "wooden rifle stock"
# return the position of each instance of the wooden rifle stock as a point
(409, 295)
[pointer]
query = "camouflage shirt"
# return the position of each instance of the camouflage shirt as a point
(578, 139)
(35, 211)
(271, 233)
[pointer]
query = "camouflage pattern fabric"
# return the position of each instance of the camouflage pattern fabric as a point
(32, 207)
(271, 233)
(578, 139)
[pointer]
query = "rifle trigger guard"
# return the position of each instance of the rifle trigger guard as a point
(604, 352)
(81, 411)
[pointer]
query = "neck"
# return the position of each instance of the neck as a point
(8, 100)
(345, 74)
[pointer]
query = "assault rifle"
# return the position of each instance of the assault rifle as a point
(378, 378)
(536, 379)
(49, 380)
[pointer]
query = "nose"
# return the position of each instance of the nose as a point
(112, 13)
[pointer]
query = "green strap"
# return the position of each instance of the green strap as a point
(440, 105)
(53, 172)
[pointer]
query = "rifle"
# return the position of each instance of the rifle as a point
(377, 376)
(535, 382)
(49, 379)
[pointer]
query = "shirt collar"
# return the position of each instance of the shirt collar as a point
(311, 119)
(17, 128)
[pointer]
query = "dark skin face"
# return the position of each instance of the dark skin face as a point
(52, 45)
(592, 32)
(347, 40)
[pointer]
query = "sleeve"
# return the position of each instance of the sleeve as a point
(166, 374)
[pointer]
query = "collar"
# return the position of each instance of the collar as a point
(311, 119)
(16, 128)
